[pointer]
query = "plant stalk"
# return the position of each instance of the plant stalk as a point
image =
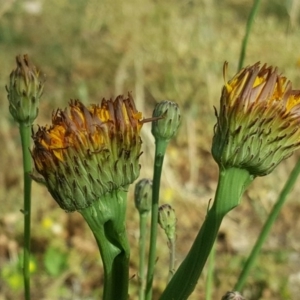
(172, 243)
(232, 183)
(210, 273)
(160, 150)
(142, 254)
(25, 133)
(106, 219)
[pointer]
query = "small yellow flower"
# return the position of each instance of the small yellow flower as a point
(32, 266)
(168, 195)
(259, 120)
(88, 152)
(47, 223)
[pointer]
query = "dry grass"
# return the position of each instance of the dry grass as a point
(158, 50)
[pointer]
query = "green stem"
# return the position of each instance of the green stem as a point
(172, 244)
(142, 254)
(210, 273)
(248, 30)
(267, 227)
(25, 132)
(160, 150)
(106, 219)
(232, 183)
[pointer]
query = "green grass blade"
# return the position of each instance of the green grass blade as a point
(267, 227)
(251, 17)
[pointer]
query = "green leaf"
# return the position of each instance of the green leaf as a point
(55, 261)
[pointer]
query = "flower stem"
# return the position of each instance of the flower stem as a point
(106, 219)
(160, 150)
(210, 273)
(25, 132)
(172, 243)
(142, 254)
(250, 20)
(232, 183)
(267, 227)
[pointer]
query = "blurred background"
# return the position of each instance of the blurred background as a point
(157, 50)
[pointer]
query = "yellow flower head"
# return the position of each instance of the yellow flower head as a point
(88, 152)
(259, 120)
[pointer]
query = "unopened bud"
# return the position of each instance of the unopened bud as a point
(233, 296)
(166, 126)
(167, 220)
(143, 195)
(24, 91)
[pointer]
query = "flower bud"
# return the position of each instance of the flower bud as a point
(165, 126)
(233, 296)
(258, 123)
(24, 91)
(143, 196)
(89, 152)
(167, 220)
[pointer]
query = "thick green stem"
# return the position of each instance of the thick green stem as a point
(25, 132)
(160, 150)
(267, 227)
(248, 30)
(106, 218)
(142, 254)
(232, 183)
(210, 273)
